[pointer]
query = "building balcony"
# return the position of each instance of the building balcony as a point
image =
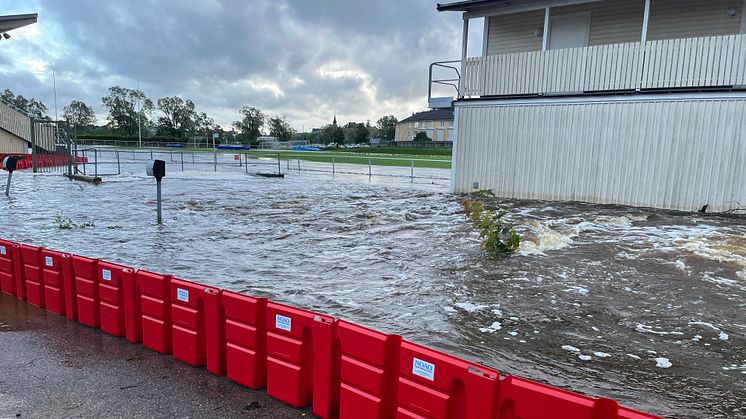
(715, 62)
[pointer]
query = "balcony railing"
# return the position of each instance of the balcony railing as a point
(718, 61)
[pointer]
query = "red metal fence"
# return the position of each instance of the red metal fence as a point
(301, 357)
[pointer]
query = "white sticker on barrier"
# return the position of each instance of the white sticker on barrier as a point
(48, 261)
(106, 274)
(283, 322)
(3, 250)
(182, 295)
(423, 369)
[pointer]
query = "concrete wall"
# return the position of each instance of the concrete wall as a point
(659, 151)
(614, 21)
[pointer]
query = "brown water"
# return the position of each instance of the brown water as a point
(643, 306)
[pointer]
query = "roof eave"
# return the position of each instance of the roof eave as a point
(463, 6)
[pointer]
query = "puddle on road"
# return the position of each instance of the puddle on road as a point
(651, 302)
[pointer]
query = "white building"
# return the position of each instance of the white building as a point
(636, 102)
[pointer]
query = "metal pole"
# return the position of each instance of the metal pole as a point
(85, 161)
(192, 157)
(69, 157)
(411, 173)
(7, 186)
(333, 169)
(299, 164)
(160, 219)
(279, 168)
(34, 163)
(288, 162)
(151, 154)
(95, 162)
(215, 159)
(370, 163)
(182, 160)
(246, 165)
(119, 166)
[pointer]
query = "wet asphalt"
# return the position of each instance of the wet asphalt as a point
(52, 367)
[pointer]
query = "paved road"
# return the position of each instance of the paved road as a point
(53, 367)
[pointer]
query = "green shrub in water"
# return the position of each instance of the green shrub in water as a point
(498, 237)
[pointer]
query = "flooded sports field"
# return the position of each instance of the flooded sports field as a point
(647, 307)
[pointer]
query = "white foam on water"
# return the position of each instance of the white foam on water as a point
(601, 354)
(494, 327)
(643, 328)
(471, 307)
(542, 238)
(663, 363)
(723, 336)
(585, 357)
(570, 348)
(633, 356)
(577, 289)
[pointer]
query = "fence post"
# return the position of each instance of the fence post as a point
(370, 163)
(34, 163)
(246, 164)
(69, 158)
(287, 161)
(182, 160)
(298, 158)
(279, 168)
(85, 161)
(119, 166)
(95, 162)
(151, 154)
(333, 169)
(192, 157)
(215, 159)
(411, 172)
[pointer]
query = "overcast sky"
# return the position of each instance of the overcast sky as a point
(303, 59)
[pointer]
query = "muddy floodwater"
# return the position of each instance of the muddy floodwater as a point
(647, 307)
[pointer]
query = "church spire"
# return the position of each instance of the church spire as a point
(335, 120)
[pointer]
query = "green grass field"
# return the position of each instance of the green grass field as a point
(376, 156)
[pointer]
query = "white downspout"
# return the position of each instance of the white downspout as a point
(464, 46)
(645, 22)
(547, 29)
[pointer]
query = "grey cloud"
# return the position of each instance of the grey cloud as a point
(230, 53)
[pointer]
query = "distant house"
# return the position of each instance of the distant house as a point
(436, 123)
(636, 102)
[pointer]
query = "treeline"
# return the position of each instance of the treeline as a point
(131, 113)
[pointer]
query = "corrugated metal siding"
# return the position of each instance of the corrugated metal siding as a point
(671, 19)
(19, 125)
(9, 143)
(515, 33)
(665, 154)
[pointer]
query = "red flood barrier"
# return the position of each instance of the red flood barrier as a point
(195, 316)
(369, 371)
(86, 290)
(11, 280)
(245, 338)
(300, 358)
(59, 291)
(437, 385)
(526, 399)
(154, 292)
(32, 275)
(117, 301)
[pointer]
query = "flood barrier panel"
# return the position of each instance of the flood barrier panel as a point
(85, 275)
(303, 358)
(11, 280)
(154, 295)
(369, 366)
(300, 358)
(196, 328)
(437, 385)
(59, 292)
(32, 275)
(244, 323)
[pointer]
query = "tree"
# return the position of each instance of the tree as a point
(279, 127)
(204, 125)
(33, 108)
(78, 114)
(387, 127)
(332, 134)
(356, 133)
(123, 104)
(179, 116)
(251, 124)
(421, 137)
